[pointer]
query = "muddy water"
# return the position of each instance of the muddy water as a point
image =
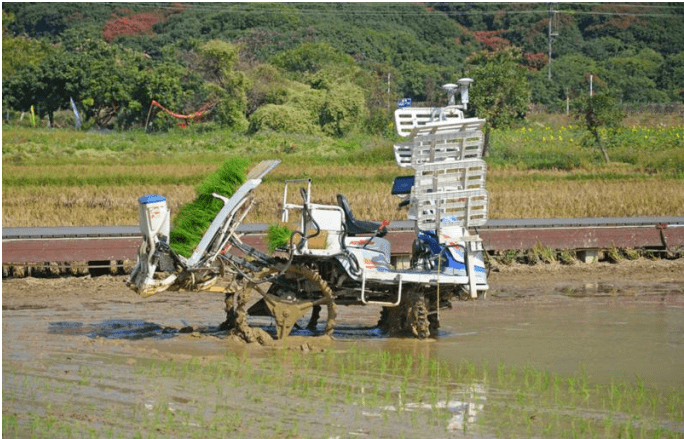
(606, 339)
(608, 336)
(94, 332)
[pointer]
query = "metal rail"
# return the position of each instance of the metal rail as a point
(11, 233)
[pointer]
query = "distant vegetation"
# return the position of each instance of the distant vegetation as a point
(543, 169)
(327, 69)
(315, 84)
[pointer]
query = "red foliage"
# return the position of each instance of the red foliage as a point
(132, 25)
(536, 61)
(491, 39)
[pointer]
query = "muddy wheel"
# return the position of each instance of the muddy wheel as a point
(289, 299)
(392, 320)
(315, 315)
(411, 316)
(238, 294)
(418, 318)
(231, 312)
(462, 293)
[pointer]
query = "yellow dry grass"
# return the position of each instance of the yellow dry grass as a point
(513, 194)
(597, 198)
(36, 206)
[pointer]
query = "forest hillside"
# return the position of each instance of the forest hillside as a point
(324, 68)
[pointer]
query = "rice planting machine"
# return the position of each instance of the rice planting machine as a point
(331, 258)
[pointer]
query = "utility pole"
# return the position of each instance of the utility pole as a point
(552, 19)
(388, 91)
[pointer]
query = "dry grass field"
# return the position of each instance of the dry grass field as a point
(541, 170)
(513, 194)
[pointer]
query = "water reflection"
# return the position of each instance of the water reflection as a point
(114, 329)
(464, 411)
(608, 339)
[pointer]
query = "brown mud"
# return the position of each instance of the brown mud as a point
(624, 319)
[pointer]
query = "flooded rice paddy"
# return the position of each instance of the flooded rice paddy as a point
(553, 352)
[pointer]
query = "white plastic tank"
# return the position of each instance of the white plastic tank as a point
(154, 216)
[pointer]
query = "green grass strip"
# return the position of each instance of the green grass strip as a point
(98, 181)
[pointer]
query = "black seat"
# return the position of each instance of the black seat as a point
(354, 226)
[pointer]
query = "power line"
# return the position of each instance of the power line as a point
(639, 5)
(367, 12)
(627, 14)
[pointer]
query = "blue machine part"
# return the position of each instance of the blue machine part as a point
(404, 102)
(149, 199)
(403, 185)
(453, 260)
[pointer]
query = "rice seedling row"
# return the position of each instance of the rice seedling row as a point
(290, 394)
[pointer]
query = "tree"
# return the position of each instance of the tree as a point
(104, 77)
(500, 92)
(20, 52)
(168, 83)
(570, 71)
(418, 81)
(671, 78)
(45, 85)
(543, 91)
(224, 83)
(21, 55)
(310, 58)
(633, 78)
(343, 110)
(597, 111)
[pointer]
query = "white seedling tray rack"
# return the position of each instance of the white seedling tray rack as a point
(434, 211)
(450, 176)
(430, 148)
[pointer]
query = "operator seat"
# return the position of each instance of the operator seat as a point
(356, 227)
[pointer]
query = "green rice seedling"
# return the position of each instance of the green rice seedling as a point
(630, 254)
(614, 396)
(675, 406)
(638, 390)
(544, 253)
(527, 372)
(567, 256)
(485, 368)
(422, 365)
(613, 255)
(194, 218)
(501, 372)
(571, 381)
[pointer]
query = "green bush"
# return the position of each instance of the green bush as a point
(310, 58)
(343, 111)
(283, 118)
